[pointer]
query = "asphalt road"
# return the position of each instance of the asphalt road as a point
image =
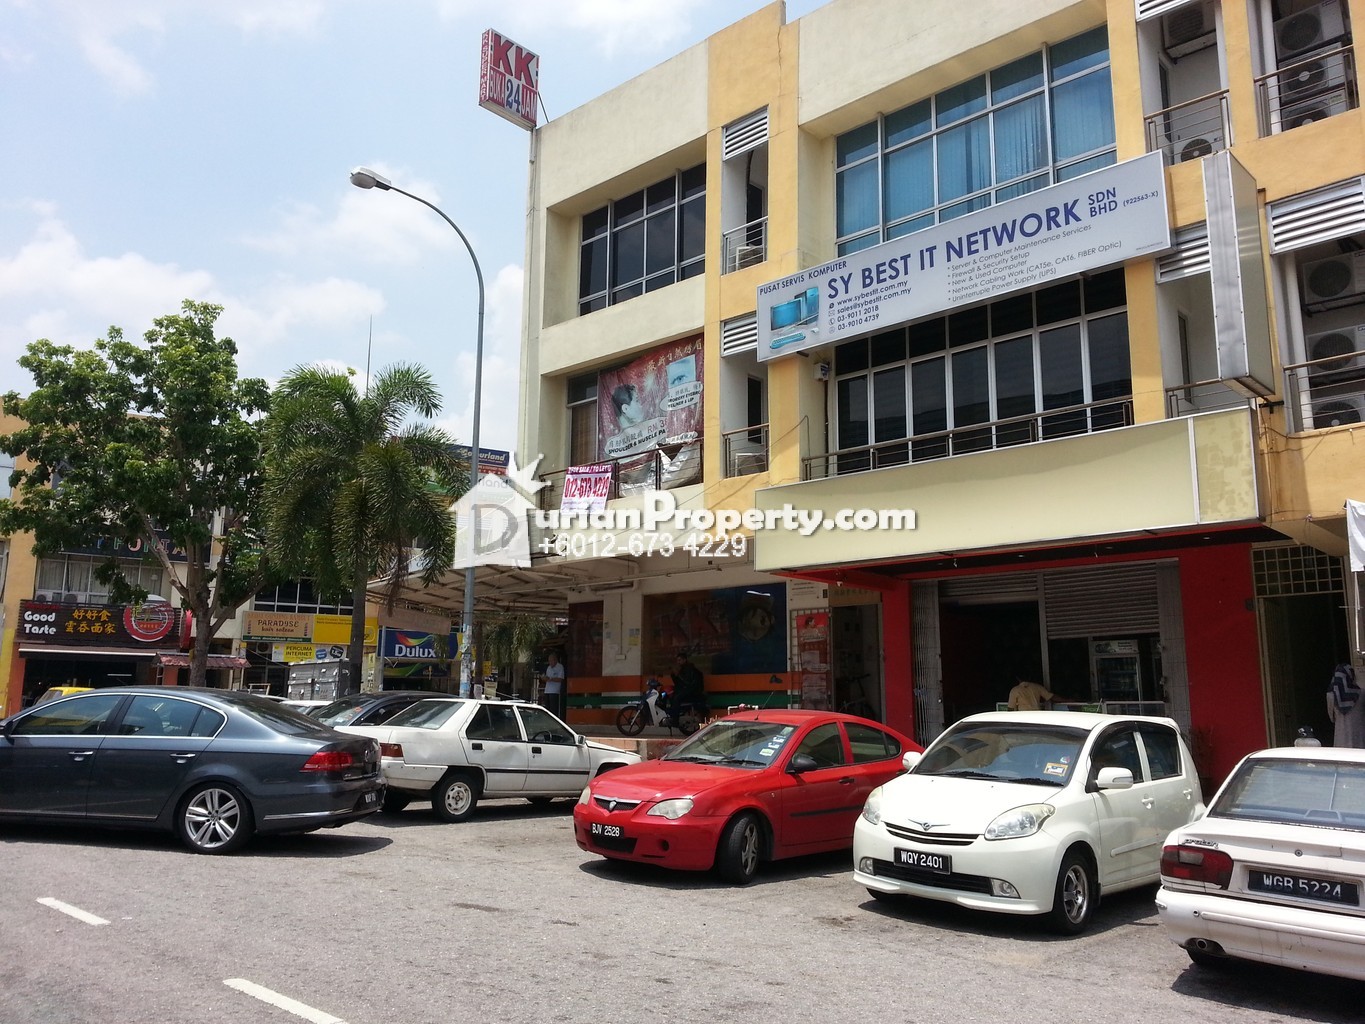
(502, 920)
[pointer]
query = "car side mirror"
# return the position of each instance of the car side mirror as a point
(802, 763)
(8, 727)
(580, 740)
(912, 758)
(1114, 778)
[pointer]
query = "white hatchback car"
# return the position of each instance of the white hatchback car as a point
(1029, 813)
(456, 751)
(1275, 871)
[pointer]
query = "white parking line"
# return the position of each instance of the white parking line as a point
(76, 912)
(295, 1007)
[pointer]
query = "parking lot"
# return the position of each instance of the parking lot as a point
(402, 919)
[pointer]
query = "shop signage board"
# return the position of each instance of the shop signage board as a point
(336, 629)
(152, 624)
(509, 79)
(1101, 219)
(408, 645)
(276, 626)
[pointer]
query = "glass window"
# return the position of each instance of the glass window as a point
(644, 241)
(493, 722)
(84, 715)
(888, 401)
(1315, 789)
(6, 469)
(869, 744)
(1163, 751)
(1038, 120)
(427, 714)
(825, 745)
(964, 159)
(852, 422)
(1118, 749)
(543, 727)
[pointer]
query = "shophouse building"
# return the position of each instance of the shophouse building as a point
(1075, 290)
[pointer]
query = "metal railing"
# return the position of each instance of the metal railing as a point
(1318, 86)
(672, 465)
(1190, 130)
(1067, 421)
(1201, 396)
(1329, 392)
(744, 246)
(746, 450)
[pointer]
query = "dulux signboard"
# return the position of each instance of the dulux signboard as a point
(407, 645)
(1100, 219)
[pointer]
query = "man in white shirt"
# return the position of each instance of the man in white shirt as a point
(552, 696)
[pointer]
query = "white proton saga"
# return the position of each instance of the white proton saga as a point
(1029, 813)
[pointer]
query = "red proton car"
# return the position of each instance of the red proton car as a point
(755, 786)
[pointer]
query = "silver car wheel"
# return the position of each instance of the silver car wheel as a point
(212, 818)
(1075, 894)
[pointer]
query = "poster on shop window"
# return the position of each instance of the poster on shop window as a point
(653, 403)
(810, 631)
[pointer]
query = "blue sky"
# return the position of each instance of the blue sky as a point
(158, 150)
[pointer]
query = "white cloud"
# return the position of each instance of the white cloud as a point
(616, 24)
(377, 226)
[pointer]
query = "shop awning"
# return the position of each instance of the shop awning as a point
(43, 651)
(215, 661)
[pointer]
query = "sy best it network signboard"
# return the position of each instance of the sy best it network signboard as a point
(1098, 220)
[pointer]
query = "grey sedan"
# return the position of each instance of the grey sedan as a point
(213, 766)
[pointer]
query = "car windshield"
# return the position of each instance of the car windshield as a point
(1005, 752)
(734, 744)
(339, 712)
(1309, 792)
(427, 714)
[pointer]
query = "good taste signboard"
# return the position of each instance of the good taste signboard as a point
(154, 624)
(1097, 220)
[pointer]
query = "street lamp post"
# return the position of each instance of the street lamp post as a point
(363, 177)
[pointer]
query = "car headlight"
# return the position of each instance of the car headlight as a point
(671, 809)
(872, 810)
(585, 797)
(1019, 822)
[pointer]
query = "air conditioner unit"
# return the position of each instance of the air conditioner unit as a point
(1339, 412)
(1313, 75)
(1189, 29)
(1334, 278)
(1343, 349)
(1195, 145)
(1319, 108)
(1308, 29)
(748, 255)
(613, 586)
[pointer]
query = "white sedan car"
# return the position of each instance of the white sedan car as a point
(1029, 813)
(1274, 872)
(455, 751)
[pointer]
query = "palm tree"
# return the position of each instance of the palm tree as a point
(508, 637)
(353, 489)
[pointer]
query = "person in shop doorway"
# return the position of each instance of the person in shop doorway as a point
(552, 690)
(1027, 695)
(688, 686)
(1345, 708)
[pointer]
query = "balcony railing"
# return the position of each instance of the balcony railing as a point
(660, 469)
(1328, 392)
(1201, 396)
(1190, 130)
(1312, 89)
(746, 450)
(1003, 433)
(744, 246)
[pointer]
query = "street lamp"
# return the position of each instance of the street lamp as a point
(363, 177)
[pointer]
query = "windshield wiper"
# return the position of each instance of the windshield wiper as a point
(968, 773)
(695, 758)
(741, 760)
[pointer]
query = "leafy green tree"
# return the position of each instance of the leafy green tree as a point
(510, 636)
(357, 485)
(156, 443)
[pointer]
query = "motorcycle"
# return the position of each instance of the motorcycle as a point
(653, 709)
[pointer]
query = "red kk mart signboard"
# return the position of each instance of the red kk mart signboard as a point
(509, 80)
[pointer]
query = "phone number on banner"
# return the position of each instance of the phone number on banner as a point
(606, 545)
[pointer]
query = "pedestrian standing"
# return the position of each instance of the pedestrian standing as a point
(1027, 695)
(553, 691)
(1345, 708)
